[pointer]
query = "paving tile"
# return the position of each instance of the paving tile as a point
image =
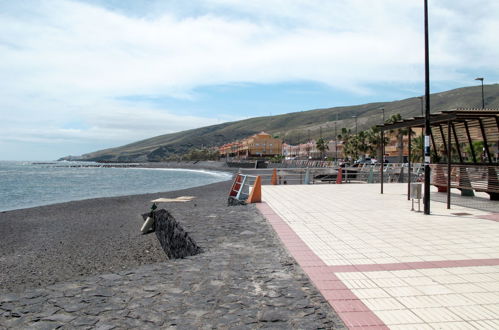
(360, 319)
(370, 293)
(352, 276)
(465, 288)
(494, 308)
(330, 285)
(477, 278)
(360, 284)
(453, 300)
(418, 326)
(403, 291)
(331, 295)
(449, 279)
(383, 304)
(489, 286)
(483, 298)
(379, 274)
(402, 316)
(434, 289)
(419, 302)
(419, 281)
(436, 314)
(349, 306)
(474, 313)
(389, 282)
(488, 324)
(453, 326)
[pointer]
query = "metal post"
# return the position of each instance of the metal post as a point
(483, 98)
(456, 140)
(485, 142)
(409, 167)
(335, 144)
(443, 137)
(470, 142)
(427, 115)
(382, 157)
(449, 155)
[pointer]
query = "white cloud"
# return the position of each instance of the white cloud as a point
(64, 60)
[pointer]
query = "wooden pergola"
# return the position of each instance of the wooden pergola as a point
(456, 139)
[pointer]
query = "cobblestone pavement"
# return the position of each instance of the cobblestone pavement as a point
(243, 280)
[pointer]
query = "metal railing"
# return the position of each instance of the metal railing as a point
(393, 172)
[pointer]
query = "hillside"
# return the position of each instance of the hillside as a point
(293, 127)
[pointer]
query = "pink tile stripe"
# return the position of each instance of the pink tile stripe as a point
(415, 265)
(354, 313)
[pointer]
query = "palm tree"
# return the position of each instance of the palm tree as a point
(417, 149)
(374, 142)
(322, 146)
(346, 136)
(400, 135)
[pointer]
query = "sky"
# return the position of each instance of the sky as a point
(80, 76)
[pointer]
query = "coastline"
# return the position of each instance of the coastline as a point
(205, 166)
(85, 263)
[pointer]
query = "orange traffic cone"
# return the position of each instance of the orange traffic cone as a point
(339, 176)
(273, 180)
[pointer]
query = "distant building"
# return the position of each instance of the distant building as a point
(261, 145)
(258, 145)
(229, 149)
(335, 149)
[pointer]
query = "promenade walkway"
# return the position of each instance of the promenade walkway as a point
(381, 266)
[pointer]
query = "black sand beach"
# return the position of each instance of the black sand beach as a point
(67, 254)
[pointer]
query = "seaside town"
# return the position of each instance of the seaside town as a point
(264, 145)
(249, 165)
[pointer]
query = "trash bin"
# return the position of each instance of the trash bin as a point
(416, 189)
(416, 193)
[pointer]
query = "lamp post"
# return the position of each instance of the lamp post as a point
(382, 159)
(426, 199)
(483, 98)
(336, 139)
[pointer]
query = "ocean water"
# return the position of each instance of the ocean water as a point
(29, 184)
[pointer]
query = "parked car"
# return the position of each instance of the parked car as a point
(367, 160)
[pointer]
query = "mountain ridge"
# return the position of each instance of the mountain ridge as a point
(293, 127)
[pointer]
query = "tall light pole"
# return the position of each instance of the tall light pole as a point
(382, 160)
(336, 139)
(426, 199)
(483, 98)
(355, 124)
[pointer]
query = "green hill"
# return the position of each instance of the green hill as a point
(293, 127)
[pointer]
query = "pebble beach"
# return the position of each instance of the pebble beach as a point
(85, 264)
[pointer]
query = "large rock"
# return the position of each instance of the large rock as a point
(175, 241)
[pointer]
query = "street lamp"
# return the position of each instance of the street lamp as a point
(336, 139)
(426, 197)
(483, 99)
(355, 124)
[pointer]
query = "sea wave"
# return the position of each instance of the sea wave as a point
(218, 174)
